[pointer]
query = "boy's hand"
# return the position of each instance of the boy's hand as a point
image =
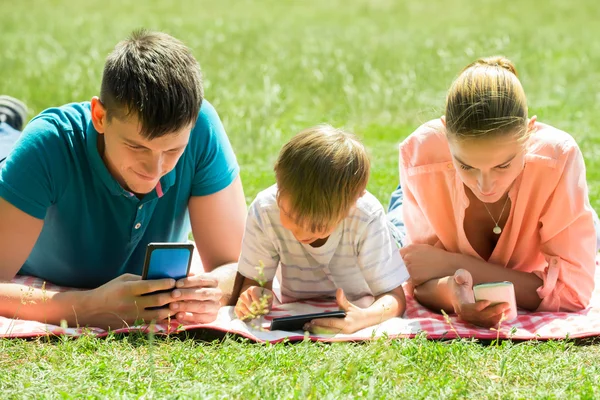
(355, 318)
(253, 302)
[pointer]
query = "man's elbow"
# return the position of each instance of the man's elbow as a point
(6, 276)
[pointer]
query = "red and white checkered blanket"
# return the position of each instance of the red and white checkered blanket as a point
(416, 320)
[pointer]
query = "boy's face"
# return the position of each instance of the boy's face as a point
(301, 233)
(137, 163)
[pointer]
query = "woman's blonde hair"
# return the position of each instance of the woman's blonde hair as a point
(322, 171)
(487, 99)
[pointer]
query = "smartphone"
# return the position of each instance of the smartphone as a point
(167, 260)
(296, 322)
(498, 292)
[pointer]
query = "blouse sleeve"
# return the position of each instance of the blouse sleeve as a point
(568, 240)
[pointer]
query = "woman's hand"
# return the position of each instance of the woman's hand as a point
(479, 313)
(425, 262)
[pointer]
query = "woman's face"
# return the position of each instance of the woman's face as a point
(488, 166)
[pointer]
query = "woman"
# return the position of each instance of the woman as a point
(488, 194)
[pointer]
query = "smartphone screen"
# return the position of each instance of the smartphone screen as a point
(167, 260)
(296, 322)
(498, 292)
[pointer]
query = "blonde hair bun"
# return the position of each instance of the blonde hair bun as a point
(487, 98)
(496, 61)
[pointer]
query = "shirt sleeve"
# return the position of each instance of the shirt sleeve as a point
(257, 247)
(379, 257)
(568, 241)
(216, 164)
(31, 177)
(418, 228)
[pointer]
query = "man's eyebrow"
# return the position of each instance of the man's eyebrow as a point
(136, 144)
(132, 142)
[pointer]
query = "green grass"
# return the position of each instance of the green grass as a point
(413, 368)
(378, 68)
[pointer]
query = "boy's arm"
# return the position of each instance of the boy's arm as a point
(257, 250)
(387, 305)
(247, 283)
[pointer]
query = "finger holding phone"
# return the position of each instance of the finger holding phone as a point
(129, 299)
(385, 306)
(196, 297)
(485, 304)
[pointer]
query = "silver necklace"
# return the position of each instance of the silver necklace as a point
(497, 230)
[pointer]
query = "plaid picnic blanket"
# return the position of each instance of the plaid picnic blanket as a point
(416, 320)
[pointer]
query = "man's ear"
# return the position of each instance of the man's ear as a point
(98, 115)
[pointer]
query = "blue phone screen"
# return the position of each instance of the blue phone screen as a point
(168, 263)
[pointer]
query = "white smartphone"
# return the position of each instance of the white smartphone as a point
(498, 292)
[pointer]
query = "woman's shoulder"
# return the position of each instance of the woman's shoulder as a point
(548, 143)
(426, 145)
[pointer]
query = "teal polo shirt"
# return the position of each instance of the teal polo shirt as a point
(94, 230)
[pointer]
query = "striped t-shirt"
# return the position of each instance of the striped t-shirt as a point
(360, 256)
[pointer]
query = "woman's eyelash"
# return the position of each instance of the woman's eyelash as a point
(466, 167)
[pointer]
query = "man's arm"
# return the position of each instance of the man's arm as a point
(115, 304)
(218, 222)
(18, 234)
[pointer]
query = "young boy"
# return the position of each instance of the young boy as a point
(325, 231)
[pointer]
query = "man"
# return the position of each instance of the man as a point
(88, 185)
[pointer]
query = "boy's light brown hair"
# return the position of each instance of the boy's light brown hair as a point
(322, 171)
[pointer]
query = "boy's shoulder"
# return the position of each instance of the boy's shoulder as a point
(266, 200)
(367, 208)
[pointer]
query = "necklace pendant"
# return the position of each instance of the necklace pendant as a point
(497, 230)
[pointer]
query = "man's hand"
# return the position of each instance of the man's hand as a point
(196, 299)
(477, 313)
(425, 262)
(252, 303)
(121, 302)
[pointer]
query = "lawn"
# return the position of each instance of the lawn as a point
(378, 68)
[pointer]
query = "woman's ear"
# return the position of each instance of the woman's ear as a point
(531, 123)
(443, 119)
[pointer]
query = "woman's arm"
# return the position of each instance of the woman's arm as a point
(427, 263)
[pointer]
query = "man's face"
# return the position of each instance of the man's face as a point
(138, 163)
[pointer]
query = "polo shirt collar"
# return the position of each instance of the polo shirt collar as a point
(100, 170)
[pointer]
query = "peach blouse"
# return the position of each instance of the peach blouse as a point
(550, 230)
